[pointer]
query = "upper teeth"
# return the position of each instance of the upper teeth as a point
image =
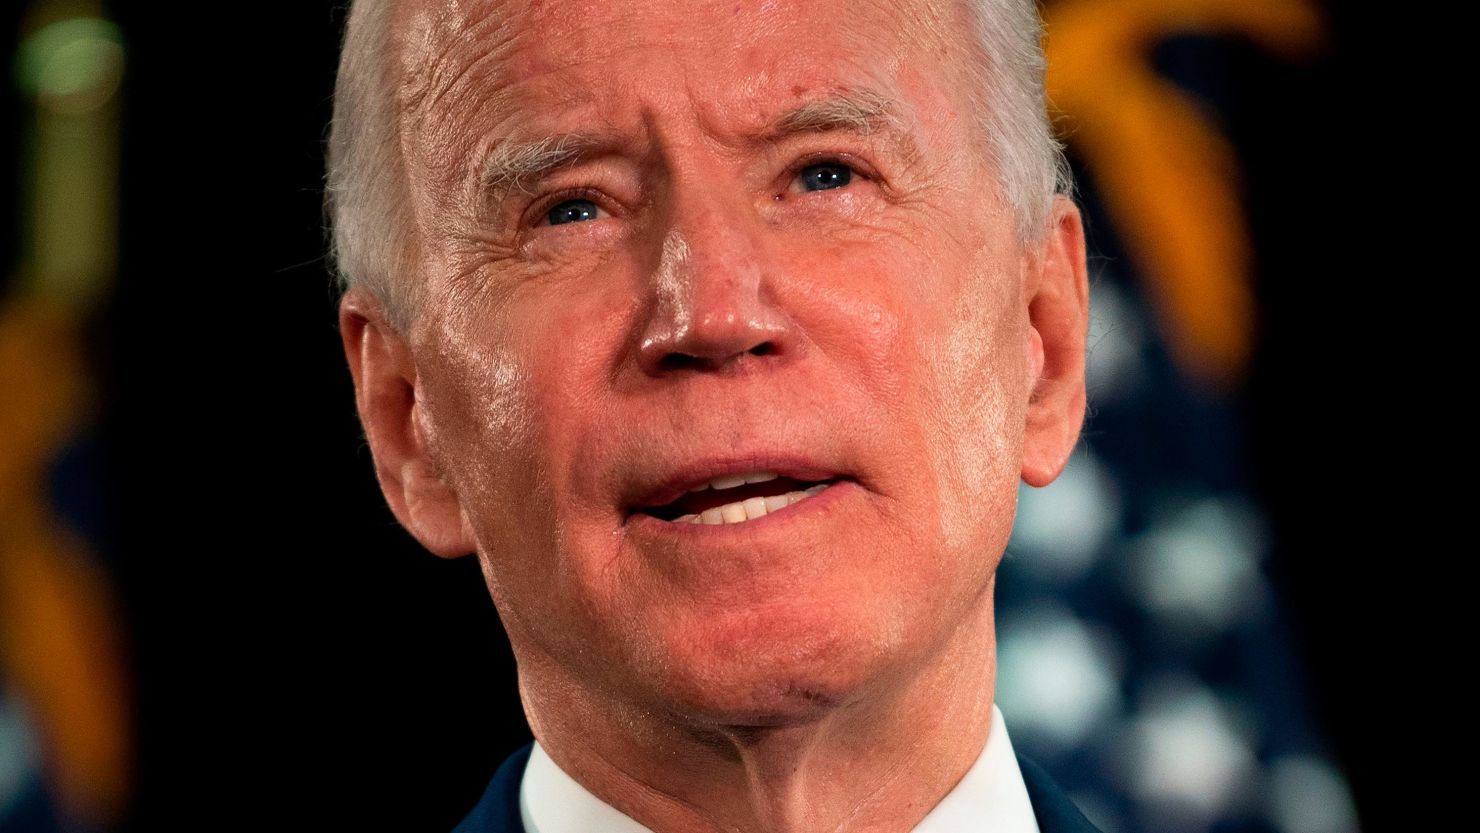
(730, 481)
(749, 509)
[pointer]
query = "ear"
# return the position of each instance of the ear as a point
(385, 393)
(1058, 326)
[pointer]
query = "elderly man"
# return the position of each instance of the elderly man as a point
(722, 333)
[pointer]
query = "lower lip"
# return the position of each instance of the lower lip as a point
(813, 507)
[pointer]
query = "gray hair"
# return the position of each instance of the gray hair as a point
(373, 230)
(1011, 102)
(374, 241)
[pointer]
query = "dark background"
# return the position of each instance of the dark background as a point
(302, 663)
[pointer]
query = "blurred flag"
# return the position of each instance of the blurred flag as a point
(65, 746)
(1142, 652)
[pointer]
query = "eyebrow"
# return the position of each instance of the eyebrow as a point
(859, 111)
(514, 165)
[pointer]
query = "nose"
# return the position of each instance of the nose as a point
(713, 297)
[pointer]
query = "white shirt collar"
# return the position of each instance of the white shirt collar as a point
(990, 797)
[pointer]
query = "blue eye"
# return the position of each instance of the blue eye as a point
(572, 211)
(824, 176)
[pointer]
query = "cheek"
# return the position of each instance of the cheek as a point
(482, 419)
(935, 339)
(510, 399)
(975, 419)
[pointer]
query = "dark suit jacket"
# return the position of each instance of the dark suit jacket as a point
(498, 810)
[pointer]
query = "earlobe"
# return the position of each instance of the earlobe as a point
(1058, 321)
(384, 376)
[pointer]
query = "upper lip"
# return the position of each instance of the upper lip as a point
(667, 484)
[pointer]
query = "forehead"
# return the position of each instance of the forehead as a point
(494, 63)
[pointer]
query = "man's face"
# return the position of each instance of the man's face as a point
(778, 251)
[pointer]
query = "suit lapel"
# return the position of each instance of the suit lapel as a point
(498, 809)
(1053, 809)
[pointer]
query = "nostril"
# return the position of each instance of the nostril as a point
(679, 361)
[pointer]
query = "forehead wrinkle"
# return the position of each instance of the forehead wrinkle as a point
(433, 52)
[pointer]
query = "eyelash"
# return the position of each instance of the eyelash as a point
(842, 160)
(541, 209)
(859, 167)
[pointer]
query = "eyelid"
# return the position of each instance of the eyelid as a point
(538, 211)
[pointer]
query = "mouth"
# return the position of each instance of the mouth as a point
(735, 498)
(739, 488)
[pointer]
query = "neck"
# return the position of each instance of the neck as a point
(878, 765)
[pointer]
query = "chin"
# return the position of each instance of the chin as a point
(772, 667)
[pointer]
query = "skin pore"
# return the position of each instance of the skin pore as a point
(659, 235)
